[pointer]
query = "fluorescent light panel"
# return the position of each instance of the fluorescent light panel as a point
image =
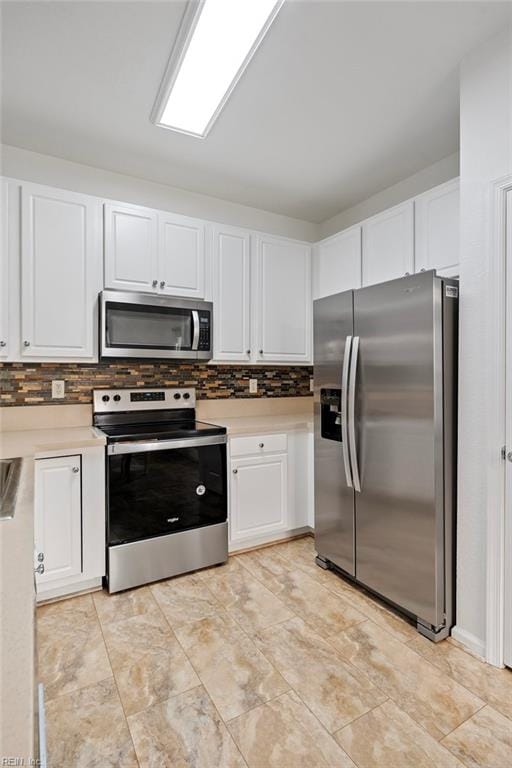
(220, 38)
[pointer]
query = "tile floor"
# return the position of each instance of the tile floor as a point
(267, 661)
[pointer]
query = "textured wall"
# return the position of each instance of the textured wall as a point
(30, 383)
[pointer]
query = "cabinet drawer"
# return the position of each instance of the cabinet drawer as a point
(258, 444)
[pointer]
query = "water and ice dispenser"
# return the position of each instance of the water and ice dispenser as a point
(330, 414)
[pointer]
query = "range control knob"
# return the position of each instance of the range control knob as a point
(117, 398)
(105, 398)
(177, 395)
(186, 395)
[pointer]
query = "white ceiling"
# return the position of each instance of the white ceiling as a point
(341, 100)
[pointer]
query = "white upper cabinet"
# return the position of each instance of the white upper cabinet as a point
(60, 272)
(337, 263)
(130, 247)
(4, 273)
(181, 256)
(437, 227)
(388, 244)
(232, 297)
(283, 306)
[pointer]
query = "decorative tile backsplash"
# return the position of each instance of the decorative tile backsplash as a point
(31, 383)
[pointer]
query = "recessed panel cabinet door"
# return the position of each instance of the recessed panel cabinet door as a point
(231, 326)
(388, 244)
(284, 300)
(181, 256)
(58, 517)
(437, 227)
(337, 264)
(60, 272)
(130, 247)
(258, 496)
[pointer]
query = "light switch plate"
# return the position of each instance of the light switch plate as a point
(253, 386)
(58, 388)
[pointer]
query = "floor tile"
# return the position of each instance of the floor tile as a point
(87, 729)
(386, 736)
(334, 691)
(284, 734)
(483, 741)
(122, 605)
(489, 683)
(267, 565)
(432, 699)
(184, 732)
(247, 599)
(185, 598)
(71, 650)
(235, 673)
(148, 662)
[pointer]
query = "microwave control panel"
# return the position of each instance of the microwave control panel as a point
(204, 331)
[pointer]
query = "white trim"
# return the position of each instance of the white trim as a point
(496, 399)
(470, 641)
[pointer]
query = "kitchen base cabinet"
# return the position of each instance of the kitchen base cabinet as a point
(69, 521)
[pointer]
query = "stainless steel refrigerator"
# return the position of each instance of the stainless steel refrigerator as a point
(385, 377)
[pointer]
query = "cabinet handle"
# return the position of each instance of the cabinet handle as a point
(39, 569)
(76, 470)
(262, 445)
(423, 269)
(407, 273)
(155, 283)
(235, 471)
(40, 556)
(248, 352)
(3, 343)
(162, 283)
(261, 351)
(26, 343)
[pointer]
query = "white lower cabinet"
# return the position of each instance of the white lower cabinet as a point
(58, 517)
(259, 496)
(69, 521)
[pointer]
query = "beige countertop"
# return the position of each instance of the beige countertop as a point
(29, 442)
(250, 425)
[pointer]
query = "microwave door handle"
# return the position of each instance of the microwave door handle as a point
(195, 324)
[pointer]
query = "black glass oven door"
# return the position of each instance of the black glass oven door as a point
(156, 492)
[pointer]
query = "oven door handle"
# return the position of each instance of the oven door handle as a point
(195, 323)
(144, 446)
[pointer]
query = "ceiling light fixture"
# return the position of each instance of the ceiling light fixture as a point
(215, 43)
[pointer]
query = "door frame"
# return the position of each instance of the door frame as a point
(499, 374)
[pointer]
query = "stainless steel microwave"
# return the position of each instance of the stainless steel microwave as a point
(145, 326)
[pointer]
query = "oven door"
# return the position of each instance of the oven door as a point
(161, 487)
(142, 326)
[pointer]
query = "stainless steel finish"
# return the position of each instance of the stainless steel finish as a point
(187, 399)
(354, 462)
(39, 569)
(152, 300)
(344, 411)
(195, 320)
(144, 446)
(334, 496)
(262, 445)
(40, 557)
(162, 283)
(76, 470)
(26, 343)
(10, 472)
(235, 471)
(161, 557)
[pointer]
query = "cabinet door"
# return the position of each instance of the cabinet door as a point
(284, 301)
(258, 496)
(437, 227)
(61, 272)
(231, 307)
(4, 273)
(58, 517)
(181, 256)
(388, 244)
(337, 264)
(130, 247)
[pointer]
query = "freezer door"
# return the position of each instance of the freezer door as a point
(334, 495)
(399, 443)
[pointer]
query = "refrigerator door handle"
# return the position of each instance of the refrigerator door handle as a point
(344, 411)
(352, 414)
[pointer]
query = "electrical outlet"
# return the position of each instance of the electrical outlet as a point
(253, 386)
(58, 387)
(311, 385)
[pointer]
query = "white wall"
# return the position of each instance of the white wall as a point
(485, 156)
(46, 169)
(443, 170)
